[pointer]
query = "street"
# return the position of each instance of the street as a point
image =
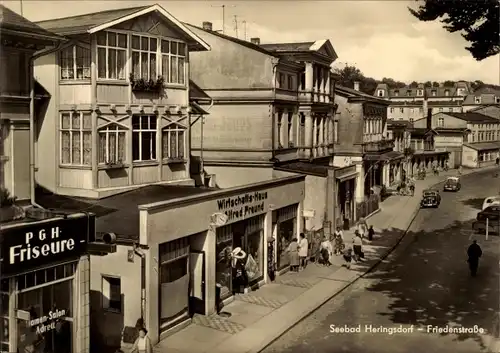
(425, 281)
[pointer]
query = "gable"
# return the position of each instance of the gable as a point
(491, 111)
(153, 24)
(324, 47)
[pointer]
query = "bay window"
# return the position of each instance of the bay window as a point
(144, 137)
(173, 58)
(76, 138)
(75, 63)
(111, 55)
(174, 142)
(112, 144)
(144, 51)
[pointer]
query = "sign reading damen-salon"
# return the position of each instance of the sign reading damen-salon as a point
(243, 206)
(34, 245)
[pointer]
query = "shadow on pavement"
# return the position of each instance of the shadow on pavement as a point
(476, 203)
(452, 298)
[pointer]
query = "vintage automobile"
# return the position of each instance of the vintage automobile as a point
(430, 198)
(489, 217)
(452, 184)
(491, 200)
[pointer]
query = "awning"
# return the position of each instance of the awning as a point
(304, 168)
(197, 109)
(429, 153)
(347, 176)
(388, 156)
(484, 146)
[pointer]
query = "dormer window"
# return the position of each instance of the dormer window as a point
(75, 63)
(497, 100)
(433, 93)
(477, 100)
(380, 93)
(460, 91)
(408, 93)
(396, 93)
(420, 92)
(446, 92)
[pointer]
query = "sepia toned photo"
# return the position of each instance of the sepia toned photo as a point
(252, 176)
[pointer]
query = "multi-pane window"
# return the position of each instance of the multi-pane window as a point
(290, 82)
(174, 142)
(144, 137)
(111, 55)
(76, 138)
(440, 122)
(144, 51)
(112, 293)
(111, 144)
(173, 59)
(75, 63)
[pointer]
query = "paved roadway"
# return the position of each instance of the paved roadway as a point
(425, 281)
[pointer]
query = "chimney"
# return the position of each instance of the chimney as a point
(207, 26)
(356, 85)
(429, 118)
(255, 41)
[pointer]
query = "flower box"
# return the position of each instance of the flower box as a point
(113, 165)
(146, 85)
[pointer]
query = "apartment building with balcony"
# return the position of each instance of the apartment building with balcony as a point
(412, 103)
(476, 142)
(271, 114)
(362, 141)
(119, 113)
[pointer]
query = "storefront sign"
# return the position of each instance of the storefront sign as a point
(47, 322)
(243, 206)
(33, 245)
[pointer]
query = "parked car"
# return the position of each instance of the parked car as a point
(492, 214)
(489, 201)
(452, 184)
(430, 198)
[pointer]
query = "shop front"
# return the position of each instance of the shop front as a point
(45, 286)
(285, 227)
(345, 198)
(199, 246)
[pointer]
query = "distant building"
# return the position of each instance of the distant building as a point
(411, 103)
(483, 97)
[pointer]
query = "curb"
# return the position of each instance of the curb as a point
(374, 212)
(369, 270)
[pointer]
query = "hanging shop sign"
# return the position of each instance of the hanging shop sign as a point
(38, 244)
(243, 206)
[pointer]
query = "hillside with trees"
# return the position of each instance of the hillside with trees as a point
(346, 76)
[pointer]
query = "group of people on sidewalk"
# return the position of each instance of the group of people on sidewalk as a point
(297, 252)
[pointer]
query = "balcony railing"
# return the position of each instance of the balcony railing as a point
(377, 146)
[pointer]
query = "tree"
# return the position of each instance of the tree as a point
(449, 83)
(435, 84)
(392, 83)
(347, 75)
(428, 84)
(477, 20)
(414, 84)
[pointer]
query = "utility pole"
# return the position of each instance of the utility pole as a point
(236, 25)
(223, 7)
(245, 29)
(21, 1)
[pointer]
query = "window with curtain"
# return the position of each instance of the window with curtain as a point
(111, 55)
(76, 138)
(144, 54)
(112, 144)
(144, 137)
(75, 63)
(174, 142)
(173, 59)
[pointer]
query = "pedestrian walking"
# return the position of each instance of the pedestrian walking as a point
(293, 255)
(326, 251)
(357, 245)
(497, 162)
(474, 252)
(339, 241)
(142, 343)
(303, 250)
(371, 233)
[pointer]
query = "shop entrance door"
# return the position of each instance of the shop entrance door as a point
(197, 282)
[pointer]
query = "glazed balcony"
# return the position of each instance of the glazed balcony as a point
(378, 145)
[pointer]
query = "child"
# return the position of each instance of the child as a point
(348, 258)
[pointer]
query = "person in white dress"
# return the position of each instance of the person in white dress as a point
(303, 250)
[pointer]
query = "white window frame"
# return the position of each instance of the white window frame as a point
(75, 65)
(156, 52)
(81, 130)
(433, 93)
(105, 300)
(107, 47)
(420, 92)
(107, 131)
(140, 130)
(380, 93)
(169, 55)
(477, 100)
(391, 110)
(166, 133)
(446, 92)
(440, 122)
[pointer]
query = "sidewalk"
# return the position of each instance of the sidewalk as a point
(256, 319)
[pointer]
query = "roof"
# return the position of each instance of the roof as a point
(98, 21)
(488, 97)
(196, 93)
(445, 130)
(399, 123)
(301, 47)
(482, 146)
(427, 91)
(421, 131)
(305, 168)
(352, 93)
(119, 214)
(473, 117)
(9, 20)
(387, 156)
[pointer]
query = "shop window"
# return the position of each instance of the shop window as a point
(286, 231)
(111, 293)
(41, 277)
(223, 270)
(174, 281)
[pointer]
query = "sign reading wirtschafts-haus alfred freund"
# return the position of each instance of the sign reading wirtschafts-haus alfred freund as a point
(34, 245)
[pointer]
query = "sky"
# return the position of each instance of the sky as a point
(381, 38)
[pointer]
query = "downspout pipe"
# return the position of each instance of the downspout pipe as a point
(202, 164)
(274, 61)
(32, 118)
(141, 254)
